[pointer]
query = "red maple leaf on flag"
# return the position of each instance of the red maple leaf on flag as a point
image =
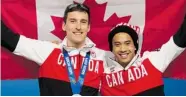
(99, 28)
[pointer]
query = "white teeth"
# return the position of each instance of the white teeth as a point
(77, 33)
(123, 55)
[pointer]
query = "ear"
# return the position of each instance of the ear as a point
(63, 26)
(135, 48)
(88, 28)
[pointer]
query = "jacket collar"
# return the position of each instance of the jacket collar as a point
(88, 45)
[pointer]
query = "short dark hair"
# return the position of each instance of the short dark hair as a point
(76, 7)
(123, 29)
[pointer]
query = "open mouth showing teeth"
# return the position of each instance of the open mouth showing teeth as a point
(78, 33)
(123, 55)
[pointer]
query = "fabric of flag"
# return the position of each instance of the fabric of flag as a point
(158, 20)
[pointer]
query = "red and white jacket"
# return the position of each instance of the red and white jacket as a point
(53, 75)
(143, 76)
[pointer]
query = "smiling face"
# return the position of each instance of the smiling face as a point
(76, 27)
(123, 48)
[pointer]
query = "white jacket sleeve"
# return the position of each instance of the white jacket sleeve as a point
(35, 50)
(167, 53)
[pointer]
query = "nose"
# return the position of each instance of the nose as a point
(78, 26)
(123, 48)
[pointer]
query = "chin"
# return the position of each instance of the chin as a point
(78, 41)
(125, 61)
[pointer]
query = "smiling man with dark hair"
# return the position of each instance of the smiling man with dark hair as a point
(128, 73)
(68, 68)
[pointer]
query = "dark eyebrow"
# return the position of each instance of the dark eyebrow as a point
(124, 41)
(84, 20)
(128, 41)
(72, 19)
(116, 42)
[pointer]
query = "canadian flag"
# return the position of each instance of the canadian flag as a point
(42, 19)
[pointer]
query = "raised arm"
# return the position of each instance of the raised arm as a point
(170, 50)
(9, 39)
(180, 37)
(32, 49)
